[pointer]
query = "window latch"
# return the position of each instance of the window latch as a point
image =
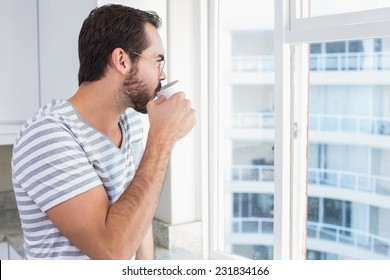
(295, 130)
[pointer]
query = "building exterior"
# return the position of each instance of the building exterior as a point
(349, 188)
(349, 147)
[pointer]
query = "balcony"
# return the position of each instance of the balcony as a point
(342, 180)
(258, 173)
(367, 243)
(350, 123)
(350, 237)
(359, 61)
(263, 120)
(379, 185)
(318, 122)
(253, 225)
(259, 63)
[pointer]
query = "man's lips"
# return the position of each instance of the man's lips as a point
(157, 89)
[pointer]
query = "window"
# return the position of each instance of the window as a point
(301, 131)
(245, 160)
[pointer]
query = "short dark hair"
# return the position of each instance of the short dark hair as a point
(109, 27)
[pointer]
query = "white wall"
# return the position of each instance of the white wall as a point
(183, 52)
(59, 27)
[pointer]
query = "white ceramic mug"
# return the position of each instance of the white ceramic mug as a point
(169, 89)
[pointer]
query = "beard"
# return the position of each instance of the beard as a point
(134, 92)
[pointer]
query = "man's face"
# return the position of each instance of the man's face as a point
(144, 79)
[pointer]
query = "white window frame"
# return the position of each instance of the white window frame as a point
(343, 26)
(293, 32)
(215, 225)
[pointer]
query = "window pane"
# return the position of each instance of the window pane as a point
(349, 151)
(330, 7)
(246, 140)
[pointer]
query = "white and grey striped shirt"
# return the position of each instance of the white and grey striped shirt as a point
(58, 156)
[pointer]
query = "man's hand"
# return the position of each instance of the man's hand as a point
(171, 119)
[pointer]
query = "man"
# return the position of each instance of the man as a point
(84, 186)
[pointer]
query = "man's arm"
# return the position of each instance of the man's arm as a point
(146, 249)
(102, 231)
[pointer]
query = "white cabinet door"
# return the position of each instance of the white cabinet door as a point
(38, 57)
(19, 83)
(4, 254)
(59, 26)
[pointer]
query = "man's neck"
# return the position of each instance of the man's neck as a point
(94, 103)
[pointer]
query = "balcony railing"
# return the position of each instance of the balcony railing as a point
(259, 63)
(359, 61)
(259, 173)
(342, 179)
(318, 122)
(253, 225)
(349, 236)
(350, 180)
(253, 120)
(320, 231)
(350, 123)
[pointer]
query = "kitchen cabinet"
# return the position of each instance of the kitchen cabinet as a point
(38, 57)
(19, 77)
(4, 254)
(59, 26)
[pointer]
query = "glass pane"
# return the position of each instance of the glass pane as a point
(331, 7)
(349, 151)
(246, 101)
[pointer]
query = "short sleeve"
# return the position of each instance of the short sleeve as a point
(50, 165)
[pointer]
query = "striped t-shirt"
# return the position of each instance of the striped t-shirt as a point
(58, 156)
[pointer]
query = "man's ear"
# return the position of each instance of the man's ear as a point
(120, 60)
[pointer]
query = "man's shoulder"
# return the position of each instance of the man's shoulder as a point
(51, 115)
(56, 109)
